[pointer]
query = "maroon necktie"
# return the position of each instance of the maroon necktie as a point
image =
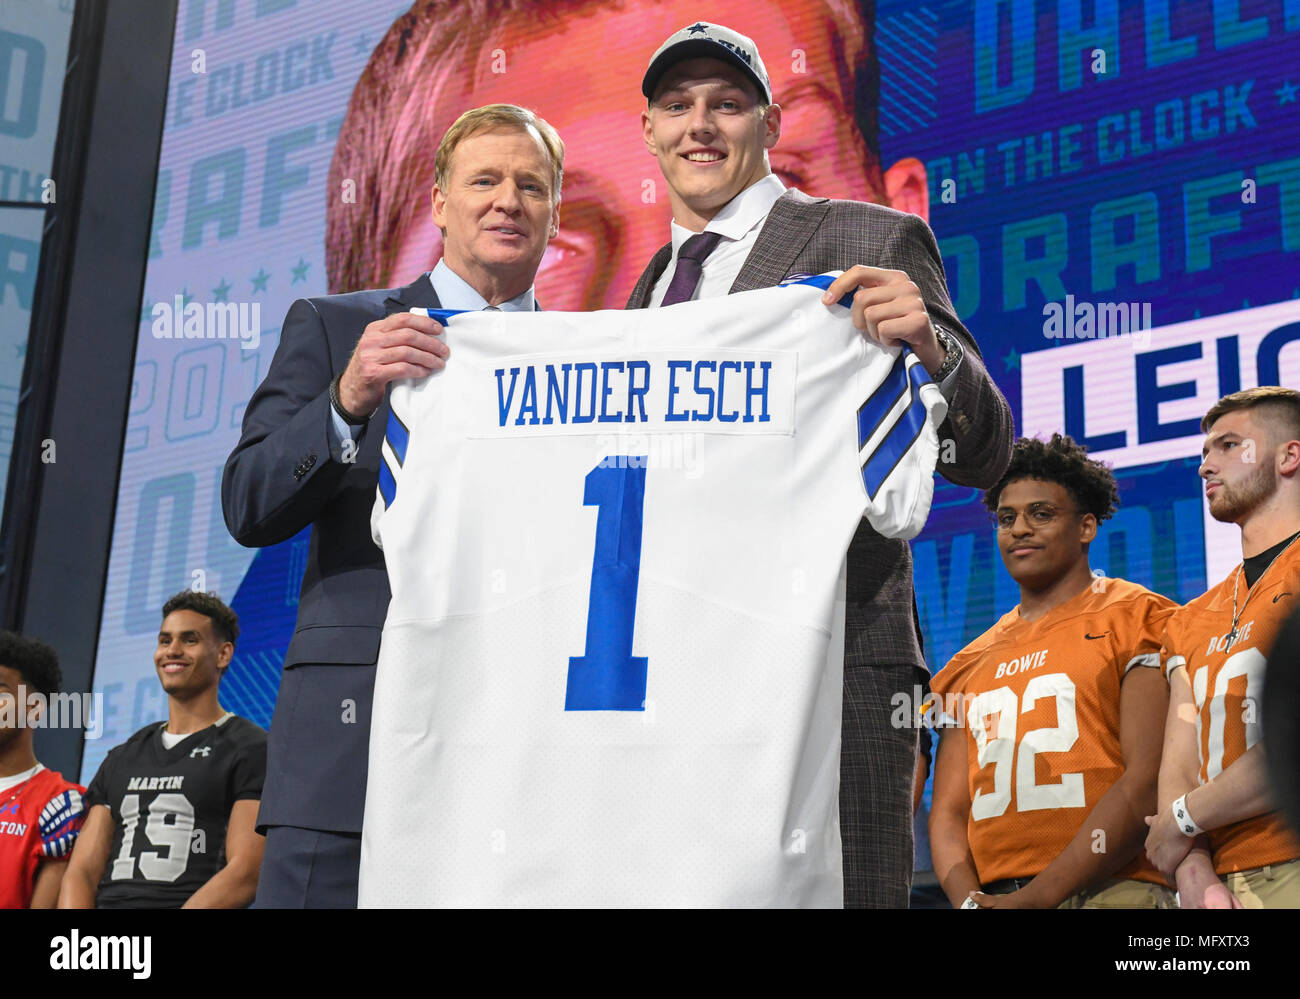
(690, 264)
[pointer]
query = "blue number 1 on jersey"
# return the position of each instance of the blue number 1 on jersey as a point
(608, 677)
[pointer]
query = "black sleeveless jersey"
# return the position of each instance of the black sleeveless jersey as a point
(171, 807)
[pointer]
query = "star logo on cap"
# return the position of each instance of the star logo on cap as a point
(698, 28)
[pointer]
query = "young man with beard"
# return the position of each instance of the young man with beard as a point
(172, 809)
(1216, 829)
(40, 811)
(1050, 746)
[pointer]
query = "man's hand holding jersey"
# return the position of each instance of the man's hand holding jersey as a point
(402, 345)
(888, 307)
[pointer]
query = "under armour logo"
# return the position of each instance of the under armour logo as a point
(200, 752)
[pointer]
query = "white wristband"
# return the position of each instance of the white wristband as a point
(1184, 818)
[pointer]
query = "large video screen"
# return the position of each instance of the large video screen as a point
(1115, 188)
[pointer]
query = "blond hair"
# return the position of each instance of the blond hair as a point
(493, 116)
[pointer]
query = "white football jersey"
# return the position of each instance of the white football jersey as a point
(611, 672)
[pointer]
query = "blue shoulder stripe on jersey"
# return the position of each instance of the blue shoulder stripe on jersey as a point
(883, 399)
(387, 484)
(902, 435)
(817, 281)
(396, 433)
(442, 315)
(398, 437)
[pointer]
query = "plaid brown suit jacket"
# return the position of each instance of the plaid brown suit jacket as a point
(883, 645)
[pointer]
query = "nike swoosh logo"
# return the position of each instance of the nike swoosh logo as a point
(1095, 637)
(1280, 596)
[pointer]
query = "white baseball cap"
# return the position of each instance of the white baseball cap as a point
(711, 41)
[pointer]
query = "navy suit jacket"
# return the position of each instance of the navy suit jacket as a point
(281, 478)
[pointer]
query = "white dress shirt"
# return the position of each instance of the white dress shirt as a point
(739, 223)
(454, 292)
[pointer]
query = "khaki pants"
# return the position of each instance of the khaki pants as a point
(1122, 893)
(1273, 886)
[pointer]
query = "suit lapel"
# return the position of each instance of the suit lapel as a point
(641, 293)
(788, 228)
(790, 225)
(418, 293)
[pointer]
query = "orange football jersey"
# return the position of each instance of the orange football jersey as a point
(1227, 678)
(1040, 703)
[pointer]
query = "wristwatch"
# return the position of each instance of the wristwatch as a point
(348, 418)
(952, 352)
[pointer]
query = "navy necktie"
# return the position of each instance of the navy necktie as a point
(690, 265)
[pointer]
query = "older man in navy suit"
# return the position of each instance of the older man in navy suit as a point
(306, 457)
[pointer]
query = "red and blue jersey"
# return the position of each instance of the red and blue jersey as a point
(39, 820)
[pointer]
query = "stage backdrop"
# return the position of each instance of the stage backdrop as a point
(33, 52)
(1115, 187)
